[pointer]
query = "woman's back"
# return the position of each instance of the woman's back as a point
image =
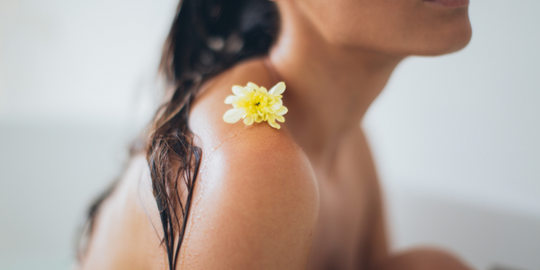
(125, 234)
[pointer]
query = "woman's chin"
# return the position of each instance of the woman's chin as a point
(451, 42)
(451, 38)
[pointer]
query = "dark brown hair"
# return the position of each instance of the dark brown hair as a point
(206, 38)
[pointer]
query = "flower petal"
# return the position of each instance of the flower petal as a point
(248, 120)
(258, 119)
(263, 90)
(280, 118)
(230, 99)
(253, 86)
(277, 105)
(237, 90)
(278, 89)
(273, 124)
(233, 115)
(282, 110)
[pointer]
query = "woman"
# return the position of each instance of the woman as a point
(207, 194)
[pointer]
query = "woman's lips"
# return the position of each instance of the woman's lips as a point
(449, 3)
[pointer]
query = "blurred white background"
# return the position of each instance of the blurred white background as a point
(456, 138)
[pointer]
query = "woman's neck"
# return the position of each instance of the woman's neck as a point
(329, 88)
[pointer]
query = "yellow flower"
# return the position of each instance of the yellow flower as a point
(255, 104)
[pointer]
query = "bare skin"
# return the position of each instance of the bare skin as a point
(305, 196)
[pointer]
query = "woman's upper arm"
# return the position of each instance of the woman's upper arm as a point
(255, 207)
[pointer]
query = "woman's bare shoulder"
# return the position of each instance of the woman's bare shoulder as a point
(234, 144)
(258, 157)
(256, 204)
(254, 148)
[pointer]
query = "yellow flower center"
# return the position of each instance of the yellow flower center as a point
(257, 104)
